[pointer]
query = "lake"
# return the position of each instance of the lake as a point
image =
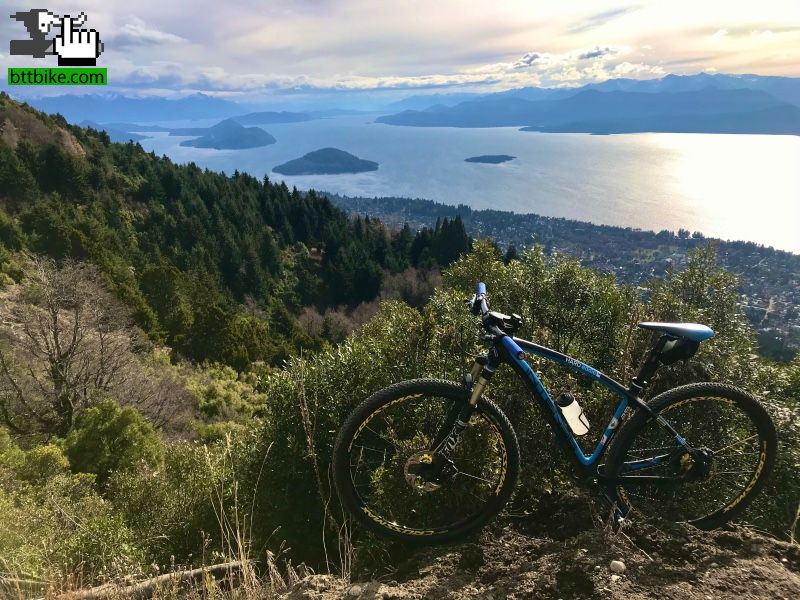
(744, 187)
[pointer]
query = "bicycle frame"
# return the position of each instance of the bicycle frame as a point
(522, 367)
(514, 351)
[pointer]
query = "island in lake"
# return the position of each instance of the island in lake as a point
(327, 161)
(230, 135)
(491, 159)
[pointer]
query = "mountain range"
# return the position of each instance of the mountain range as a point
(96, 107)
(783, 88)
(704, 102)
(700, 103)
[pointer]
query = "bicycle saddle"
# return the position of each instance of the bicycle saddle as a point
(690, 331)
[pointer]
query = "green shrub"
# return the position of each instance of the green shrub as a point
(221, 392)
(10, 455)
(54, 524)
(776, 507)
(173, 506)
(60, 527)
(396, 344)
(42, 463)
(5, 440)
(109, 438)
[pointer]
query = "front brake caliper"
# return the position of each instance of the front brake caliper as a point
(426, 471)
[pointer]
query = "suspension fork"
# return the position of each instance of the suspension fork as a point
(459, 416)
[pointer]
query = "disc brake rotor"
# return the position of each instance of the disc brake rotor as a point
(695, 468)
(427, 472)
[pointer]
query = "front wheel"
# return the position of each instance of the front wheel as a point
(391, 475)
(734, 447)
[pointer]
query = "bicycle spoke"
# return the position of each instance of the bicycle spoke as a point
(738, 443)
(732, 482)
(370, 449)
(368, 428)
(388, 472)
(694, 486)
(474, 477)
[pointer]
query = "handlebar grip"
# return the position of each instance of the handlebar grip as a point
(481, 291)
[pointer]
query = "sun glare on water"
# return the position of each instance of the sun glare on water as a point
(723, 179)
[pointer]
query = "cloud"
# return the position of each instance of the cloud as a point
(754, 30)
(627, 69)
(172, 75)
(688, 60)
(600, 19)
(527, 60)
(257, 48)
(762, 33)
(137, 33)
(570, 68)
(598, 52)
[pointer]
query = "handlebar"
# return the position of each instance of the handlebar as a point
(478, 304)
(497, 324)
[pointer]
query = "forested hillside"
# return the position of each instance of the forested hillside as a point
(217, 267)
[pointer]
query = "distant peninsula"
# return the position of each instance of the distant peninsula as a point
(327, 161)
(115, 134)
(230, 135)
(491, 159)
(272, 118)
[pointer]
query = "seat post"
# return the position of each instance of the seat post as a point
(649, 367)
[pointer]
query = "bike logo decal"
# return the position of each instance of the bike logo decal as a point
(582, 367)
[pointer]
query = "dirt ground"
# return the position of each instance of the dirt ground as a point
(569, 556)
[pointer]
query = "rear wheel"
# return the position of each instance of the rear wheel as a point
(735, 443)
(390, 475)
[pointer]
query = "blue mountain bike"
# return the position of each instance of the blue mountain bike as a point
(431, 461)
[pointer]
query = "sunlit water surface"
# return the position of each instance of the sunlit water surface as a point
(743, 187)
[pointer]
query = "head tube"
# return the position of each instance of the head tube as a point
(513, 348)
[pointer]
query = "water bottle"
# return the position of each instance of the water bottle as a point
(573, 414)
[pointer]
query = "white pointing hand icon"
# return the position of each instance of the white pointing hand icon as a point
(77, 47)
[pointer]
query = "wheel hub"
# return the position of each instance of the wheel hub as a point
(426, 471)
(695, 466)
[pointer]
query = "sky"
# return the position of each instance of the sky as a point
(260, 49)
